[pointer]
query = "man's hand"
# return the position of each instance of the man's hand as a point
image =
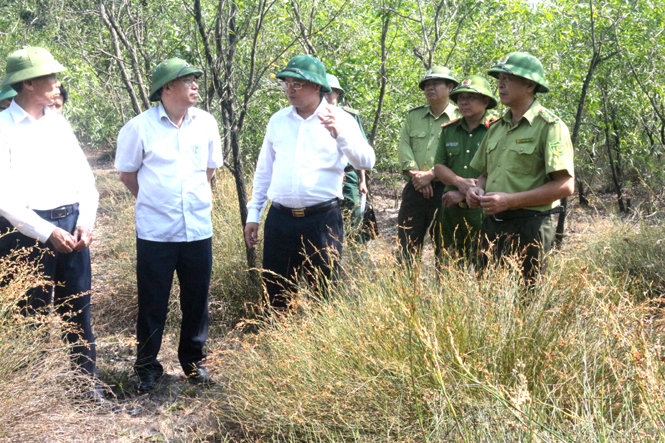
(427, 191)
(251, 234)
(62, 241)
(451, 198)
(473, 196)
(495, 202)
(464, 184)
(329, 122)
(83, 238)
(362, 187)
(420, 179)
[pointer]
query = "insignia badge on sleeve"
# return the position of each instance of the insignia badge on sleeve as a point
(556, 148)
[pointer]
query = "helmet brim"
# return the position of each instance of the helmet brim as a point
(460, 89)
(421, 85)
(52, 67)
(187, 70)
(496, 70)
(301, 75)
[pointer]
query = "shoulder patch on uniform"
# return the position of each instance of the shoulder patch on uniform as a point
(556, 148)
(350, 110)
(548, 116)
(457, 120)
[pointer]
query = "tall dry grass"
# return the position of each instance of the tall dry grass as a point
(38, 386)
(418, 357)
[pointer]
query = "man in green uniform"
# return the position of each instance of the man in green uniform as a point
(526, 166)
(459, 225)
(418, 142)
(355, 182)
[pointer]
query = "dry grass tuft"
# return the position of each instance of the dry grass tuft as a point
(402, 357)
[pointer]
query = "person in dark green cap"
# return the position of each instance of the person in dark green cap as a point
(167, 156)
(355, 182)
(48, 194)
(6, 96)
(300, 169)
(458, 225)
(526, 167)
(419, 139)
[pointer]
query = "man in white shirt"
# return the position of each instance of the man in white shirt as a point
(300, 169)
(49, 196)
(166, 157)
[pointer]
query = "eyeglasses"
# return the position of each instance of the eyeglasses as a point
(294, 85)
(188, 80)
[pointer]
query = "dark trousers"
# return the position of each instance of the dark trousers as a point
(71, 293)
(417, 215)
(155, 264)
(530, 238)
(311, 245)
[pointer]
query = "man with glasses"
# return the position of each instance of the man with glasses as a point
(526, 166)
(49, 196)
(300, 169)
(418, 141)
(458, 225)
(166, 157)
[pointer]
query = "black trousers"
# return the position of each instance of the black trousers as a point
(70, 295)
(310, 245)
(530, 238)
(417, 216)
(155, 264)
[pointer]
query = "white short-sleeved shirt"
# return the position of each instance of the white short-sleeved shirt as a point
(42, 167)
(301, 164)
(175, 200)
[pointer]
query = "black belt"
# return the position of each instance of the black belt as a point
(58, 213)
(311, 210)
(523, 213)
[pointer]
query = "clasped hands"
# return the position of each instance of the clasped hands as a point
(66, 243)
(491, 202)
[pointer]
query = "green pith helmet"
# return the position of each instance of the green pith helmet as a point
(7, 93)
(30, 62)
(475, 84)
(334, 83)
(438, 72)
(168, 71)
(306, 67)
(523, 65)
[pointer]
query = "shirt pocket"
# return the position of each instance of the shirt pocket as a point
(453, 150)
(522, 158)
(418, 140)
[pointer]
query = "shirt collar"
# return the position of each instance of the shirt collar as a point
(163, 115)
(18, 114)
(529, 115)
(319, 109)
(449, 111)
(465, 127)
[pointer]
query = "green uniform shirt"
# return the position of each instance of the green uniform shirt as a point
(521, 157)
(458, 145)
(419, 138)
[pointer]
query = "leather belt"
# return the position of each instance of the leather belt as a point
(523, 213)
(311, 210)
(58, 213)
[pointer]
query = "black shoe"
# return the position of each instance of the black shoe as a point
(146, 383)
(200, 376)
